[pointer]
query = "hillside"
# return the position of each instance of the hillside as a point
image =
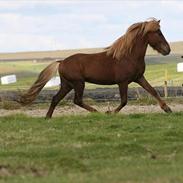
(47, 55)
(176, 47)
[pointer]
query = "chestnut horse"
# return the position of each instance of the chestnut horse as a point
(121, 63)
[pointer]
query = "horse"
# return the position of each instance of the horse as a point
(121, 63)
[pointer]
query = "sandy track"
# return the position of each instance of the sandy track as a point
(74, 110)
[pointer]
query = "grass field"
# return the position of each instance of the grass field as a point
(28, 71)
(94, 148)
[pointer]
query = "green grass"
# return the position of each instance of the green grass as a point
(28, 71)
(96, 148)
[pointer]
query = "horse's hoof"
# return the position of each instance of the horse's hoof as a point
(47, 118)
(108, 112)
(167, 109)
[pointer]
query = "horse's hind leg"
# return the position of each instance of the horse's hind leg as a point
(78, 97)
(64, 89)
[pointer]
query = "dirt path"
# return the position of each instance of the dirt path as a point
(74, 110)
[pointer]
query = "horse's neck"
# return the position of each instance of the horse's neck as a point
(139, 50)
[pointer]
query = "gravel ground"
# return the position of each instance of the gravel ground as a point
(75, 110)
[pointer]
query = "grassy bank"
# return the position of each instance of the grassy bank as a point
(28, 71)
(94, 148)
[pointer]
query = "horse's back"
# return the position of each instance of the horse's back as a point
(95, 68)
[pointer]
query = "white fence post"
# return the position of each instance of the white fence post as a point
(55, 81)
(180, 67)
(8, 79)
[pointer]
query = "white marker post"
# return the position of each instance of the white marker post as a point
(180, 67)
(8, 79)
(55, 81)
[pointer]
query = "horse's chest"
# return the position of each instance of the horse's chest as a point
(138, 72)
(132, 72)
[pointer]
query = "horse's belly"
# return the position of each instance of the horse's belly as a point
(101, 75)
(100, 81)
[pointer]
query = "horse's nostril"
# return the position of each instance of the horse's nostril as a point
(166, 48)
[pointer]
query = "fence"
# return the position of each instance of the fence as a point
(98, 95)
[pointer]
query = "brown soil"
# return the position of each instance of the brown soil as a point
(74, 110)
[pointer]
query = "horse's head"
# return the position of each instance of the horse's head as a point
(156, 39)
(147, 32)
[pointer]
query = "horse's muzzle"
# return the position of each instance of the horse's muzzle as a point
(165, 50)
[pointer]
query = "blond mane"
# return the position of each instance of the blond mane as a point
(123, 46)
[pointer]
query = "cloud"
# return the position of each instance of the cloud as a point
(44, 25)
(173, 5)
(12, 5)
(17, 42)
(20, 4)
(15, 22)
(48, 33)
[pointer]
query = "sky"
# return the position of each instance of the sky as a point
(29, 25)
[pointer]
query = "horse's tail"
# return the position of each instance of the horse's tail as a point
(41, 81)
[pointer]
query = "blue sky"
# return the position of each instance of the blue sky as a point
(28, 25)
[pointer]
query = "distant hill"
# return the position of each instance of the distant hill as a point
(46, 55)
(176, 47)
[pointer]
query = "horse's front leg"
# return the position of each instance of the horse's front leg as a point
(123, 88)
(144, 83)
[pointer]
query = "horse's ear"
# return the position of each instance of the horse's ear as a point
(159, 21)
